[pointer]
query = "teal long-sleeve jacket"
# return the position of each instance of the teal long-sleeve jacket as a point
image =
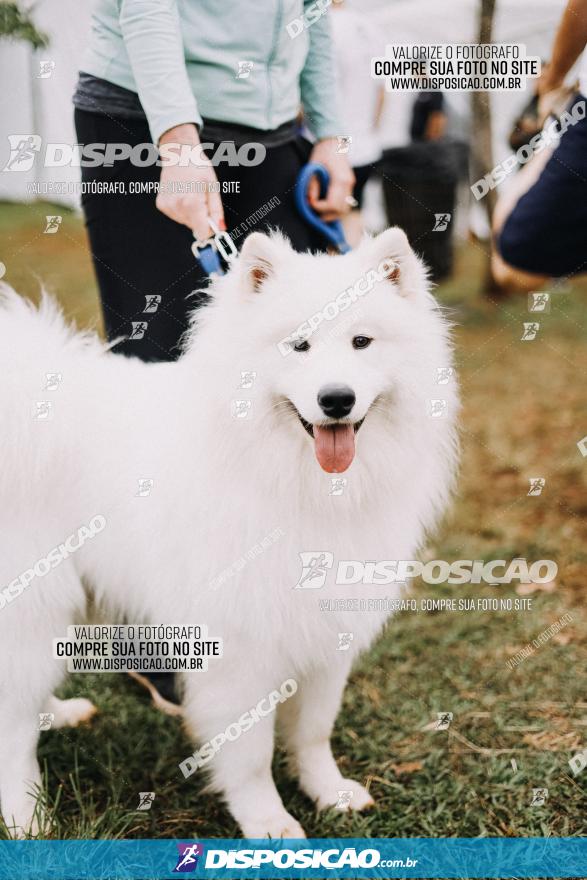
(250, 62)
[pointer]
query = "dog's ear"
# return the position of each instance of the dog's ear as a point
(391, 253)
(258, 258)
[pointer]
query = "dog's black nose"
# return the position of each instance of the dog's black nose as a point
(336, 401)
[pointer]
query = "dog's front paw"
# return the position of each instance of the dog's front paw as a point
(349, 795)
(73, 712)
(279, 825)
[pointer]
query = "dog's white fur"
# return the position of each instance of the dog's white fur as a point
(220, 485)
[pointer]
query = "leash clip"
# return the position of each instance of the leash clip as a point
(206, 251)
(224, 243)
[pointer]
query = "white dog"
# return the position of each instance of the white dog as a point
(230, 463)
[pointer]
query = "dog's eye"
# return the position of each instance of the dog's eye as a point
(361, 341)
(301, 345)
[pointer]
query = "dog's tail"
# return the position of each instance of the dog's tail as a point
(39, 328)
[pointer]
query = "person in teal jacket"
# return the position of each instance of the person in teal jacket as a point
(166, 76)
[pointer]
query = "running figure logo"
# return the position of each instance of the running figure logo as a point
(530, 331)
(146, 799)
(337, 485)
(46, 68)
(444, 719)
(244, 69)
(314, 570)
(23, 150)
(188, 857)
(539, 302)
(46, 720)
(247, 379)
(152, 302)
(437, 408)
(53, 223)
(441, 222)
(139, 329)
(344, 143)
(444, 375)
(537, 484)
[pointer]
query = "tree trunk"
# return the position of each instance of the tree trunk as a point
(481, 147)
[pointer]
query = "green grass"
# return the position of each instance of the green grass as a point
(524, 411)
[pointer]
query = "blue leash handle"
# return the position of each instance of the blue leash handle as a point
(332, 231)
(209, 258)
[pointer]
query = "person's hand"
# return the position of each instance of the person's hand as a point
(185, 189)
(340, 189)
(553, 94)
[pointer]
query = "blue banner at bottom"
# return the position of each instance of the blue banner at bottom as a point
(333, 857)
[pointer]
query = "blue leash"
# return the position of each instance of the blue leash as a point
(332, 231)
(208, 252)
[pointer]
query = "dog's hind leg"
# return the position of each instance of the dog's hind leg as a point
(20, 778)
(28, 676)
(219, 714)
(306, 721)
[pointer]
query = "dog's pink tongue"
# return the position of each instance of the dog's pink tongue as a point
(335, 447)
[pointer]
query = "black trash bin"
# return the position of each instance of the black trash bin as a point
(419, 189)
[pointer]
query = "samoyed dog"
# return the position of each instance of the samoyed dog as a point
(304, 417)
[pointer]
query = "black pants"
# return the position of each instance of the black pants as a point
(140, 254)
